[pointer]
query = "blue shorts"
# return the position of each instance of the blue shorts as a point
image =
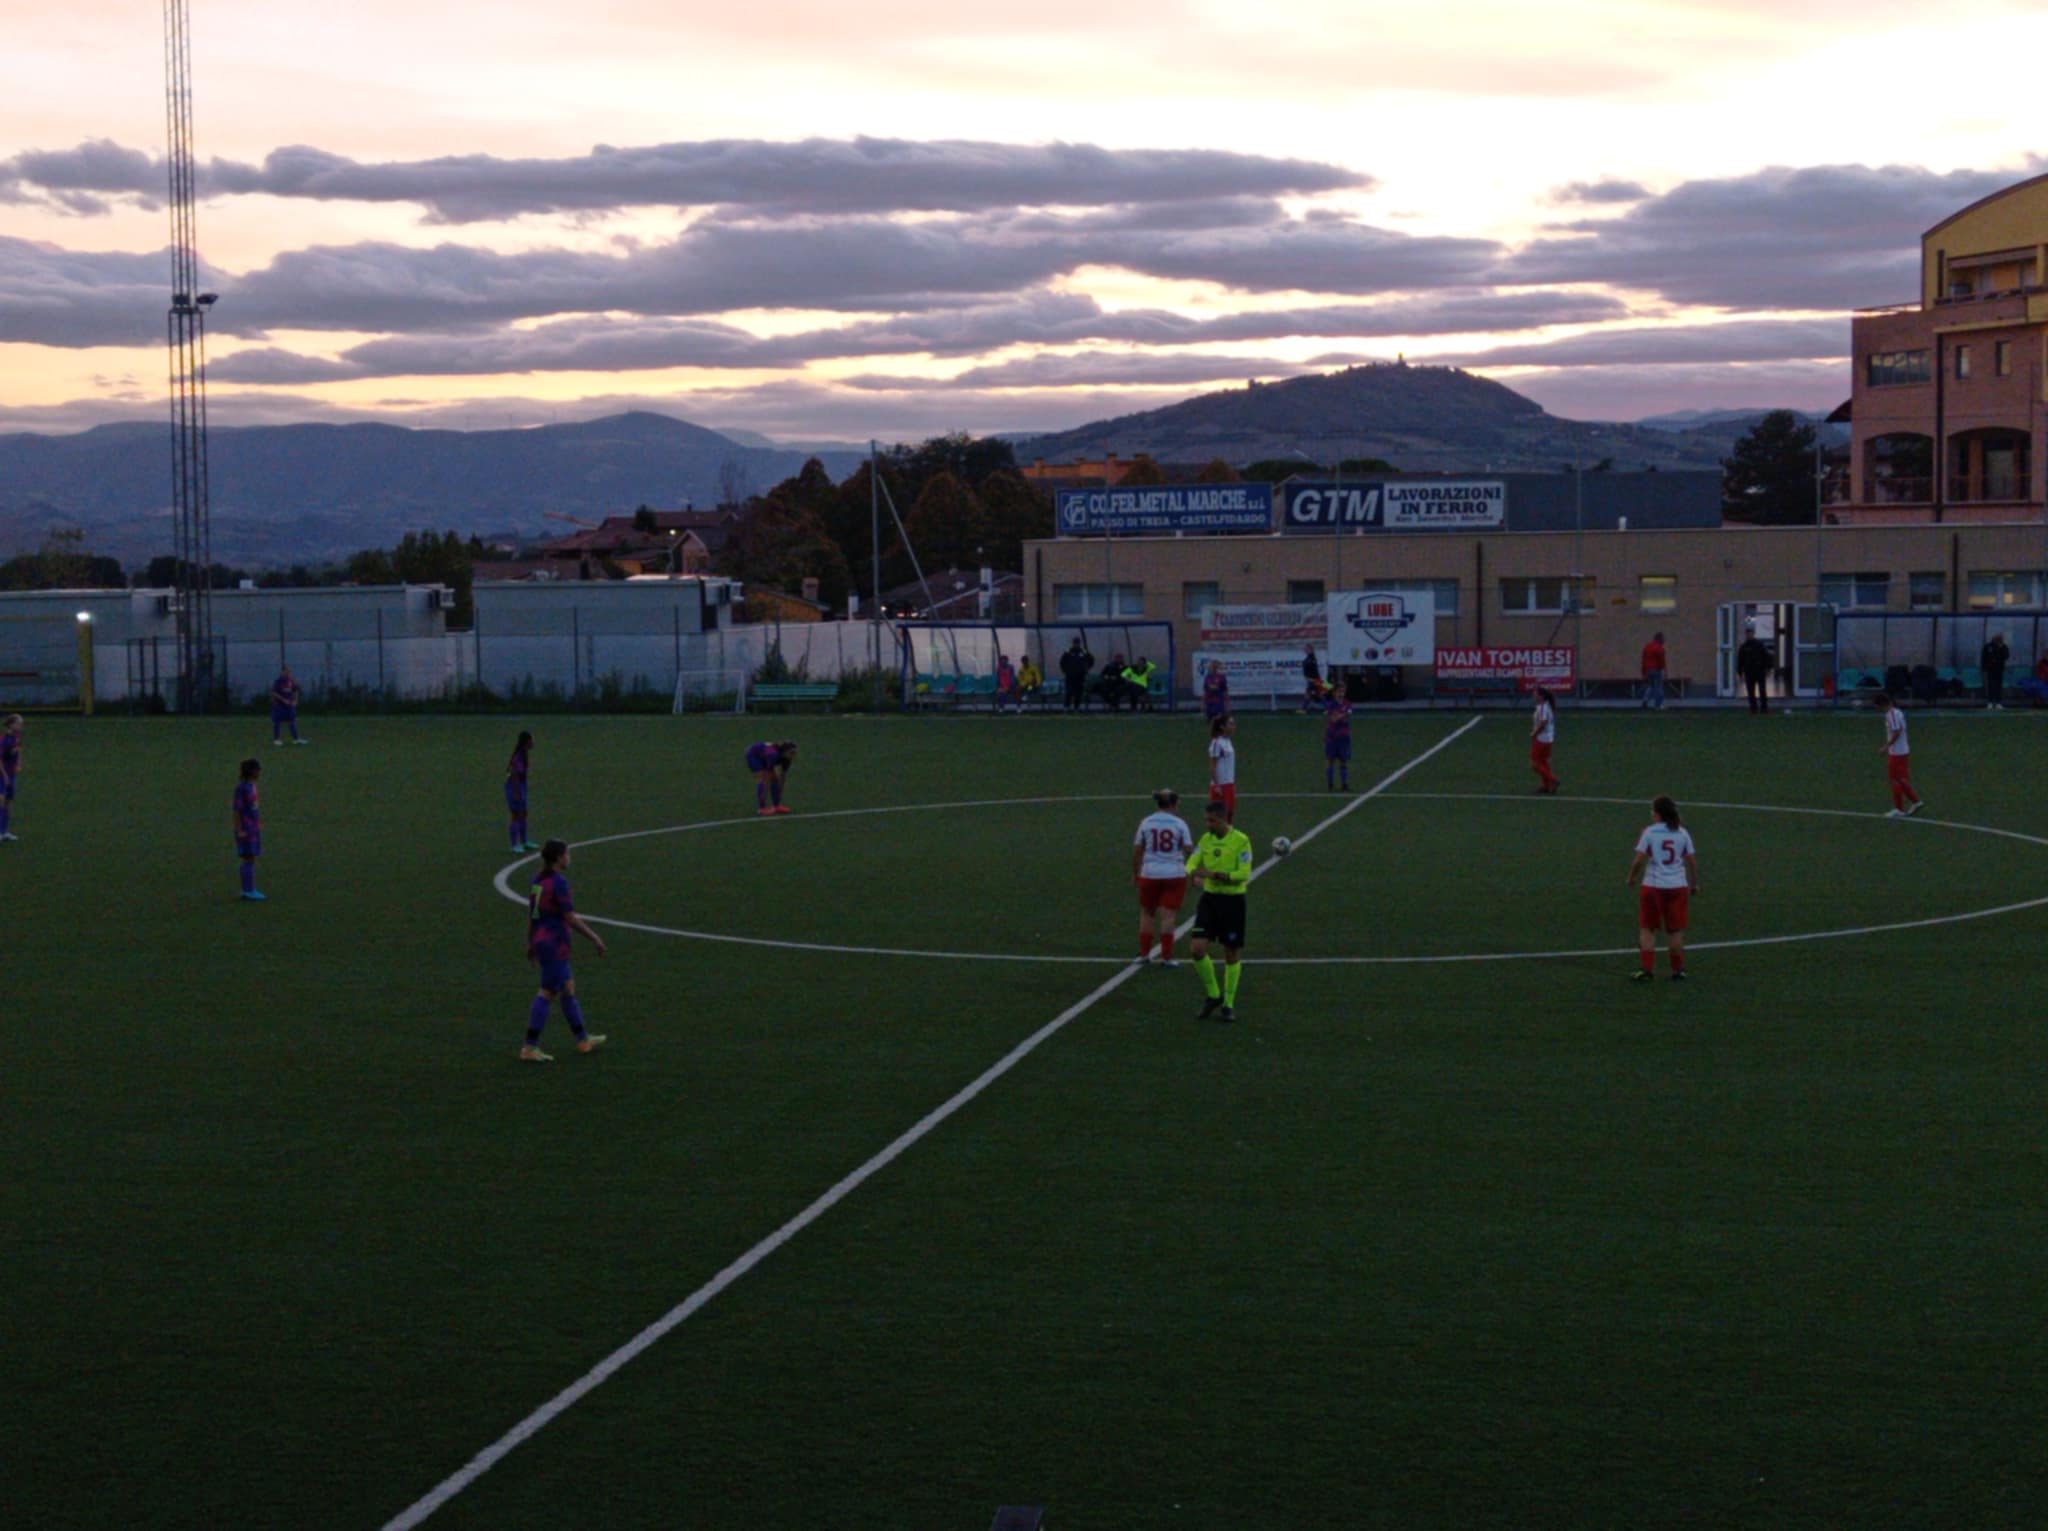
(284, 714)
(1337, 749)
(249, 847)
(515, 799)
(757, 760)
(6, 789)
(555, 976)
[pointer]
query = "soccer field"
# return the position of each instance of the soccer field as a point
(1454, 1227)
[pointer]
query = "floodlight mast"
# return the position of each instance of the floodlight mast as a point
(185, 336)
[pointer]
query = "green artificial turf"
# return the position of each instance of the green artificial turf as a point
(291, 1236)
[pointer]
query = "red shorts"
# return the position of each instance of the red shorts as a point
(1161, 892)
(1227, 795)
(1662, 909)
(1898, 767)
(1539, 752)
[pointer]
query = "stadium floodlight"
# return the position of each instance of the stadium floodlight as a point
(85, 616)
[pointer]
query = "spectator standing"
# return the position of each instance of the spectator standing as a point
(1992, 660)
(1653, 672)
(1753, 662)
(1074, 667)
(1311, 681)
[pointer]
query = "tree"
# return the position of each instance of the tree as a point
(1142, 472)
(781, 540)
(643, 520)
(1768, 478)
(1217, 471)
(62, 564)
(1017, 512)
(949, 525)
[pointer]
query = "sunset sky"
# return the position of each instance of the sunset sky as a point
(819, 220)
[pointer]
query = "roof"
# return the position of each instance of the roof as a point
(1986, 201)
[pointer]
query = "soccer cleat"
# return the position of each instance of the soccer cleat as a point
(1893, 813)
(1210, 1006)
(1228, 1014)
(302, 741)
(276, 742)
(1915, 806)
(1678, 977)
(535, 1055)
(528, 845)
(764, 813)
(10, 837)
(1641, 975)
(1169, 962)
(253, 896)
(780, 808)
(591, 1043)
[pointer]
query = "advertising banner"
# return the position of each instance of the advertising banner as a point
(1382, 627)
(1264, 625)
(1388, 506)
(1162, 510)
(1257, 673)
(1526, 666)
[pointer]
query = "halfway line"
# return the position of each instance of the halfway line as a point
(530, 1426)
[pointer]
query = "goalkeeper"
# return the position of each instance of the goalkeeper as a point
(1222, 867)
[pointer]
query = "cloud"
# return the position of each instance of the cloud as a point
(598, 343)
(1600, 192)
(1827, 236)
(1117, 369)
(1630, 393)
(59, 297)
(811, 176)
(1740, 340)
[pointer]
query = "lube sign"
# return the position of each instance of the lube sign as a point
(1395, 507)
(1165, 509)
(1382, 627)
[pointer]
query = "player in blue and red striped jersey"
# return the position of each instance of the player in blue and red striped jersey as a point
(1337, 740)
(249, 826)
(1215, 692)
(10, 772)
(515, 791)
(284, 705)
(770, 764)
(550, 916)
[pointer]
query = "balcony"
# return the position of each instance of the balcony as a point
(1902, 491)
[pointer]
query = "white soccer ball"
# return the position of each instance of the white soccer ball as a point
(1282, 845)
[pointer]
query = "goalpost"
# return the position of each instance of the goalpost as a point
(719, 690)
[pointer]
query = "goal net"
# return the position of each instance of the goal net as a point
(955, 663)
(720, 690)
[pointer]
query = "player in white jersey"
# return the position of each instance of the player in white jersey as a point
(1542, 735)
(1223, 765)
(1898, 761)
(1669, 868)
(1159, 867)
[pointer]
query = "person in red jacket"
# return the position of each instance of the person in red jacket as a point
(1653, 672)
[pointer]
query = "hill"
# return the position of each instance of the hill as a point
(1420, 418)
(306, 493)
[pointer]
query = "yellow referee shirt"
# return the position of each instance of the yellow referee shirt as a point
(1227, 858)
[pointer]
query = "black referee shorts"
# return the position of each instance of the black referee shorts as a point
(1219, 917)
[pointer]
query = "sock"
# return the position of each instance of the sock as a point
(1232, 971)
(536, 1017)
(1677, 961)
(1648, 957)
(248, 876)
(575, 1013)
(1344, 775)
(517, 838)
(760, 794)
(1207, 970)
(5, 814)
(775, 789)
(1166, 946)
(522, 829)
(1898, 797)
(1329, 776)
(1145, 941)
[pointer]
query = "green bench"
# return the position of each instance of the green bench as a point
(795, 691)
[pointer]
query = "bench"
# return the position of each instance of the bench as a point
(795, 691)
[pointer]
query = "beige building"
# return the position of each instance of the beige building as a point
(1698, 586)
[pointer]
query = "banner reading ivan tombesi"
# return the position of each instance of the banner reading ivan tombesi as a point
(1527, 666)
(1163, 509)
(1382, 627)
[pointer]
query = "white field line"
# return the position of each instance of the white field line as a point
(539, 1419)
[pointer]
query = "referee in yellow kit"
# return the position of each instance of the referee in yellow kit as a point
(1222, 868)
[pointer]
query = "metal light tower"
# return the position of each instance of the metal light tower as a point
(186, 335)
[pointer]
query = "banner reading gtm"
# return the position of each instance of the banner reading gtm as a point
(1389, 506)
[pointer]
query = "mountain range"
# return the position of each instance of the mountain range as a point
(313, 493)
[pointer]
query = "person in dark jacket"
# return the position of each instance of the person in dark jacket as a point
(1992, 660)
(1753, 662)
(1074, 667)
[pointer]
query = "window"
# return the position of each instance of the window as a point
(1545, 595)
(1856, 592)
(2001, 358)
(1928, 590)
(1304, 592)
(1444, 590)
(1071, 601)
(1883, 368)
(1999, 589)
(1962, 362)
(1657, 594)
(1197, 596)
